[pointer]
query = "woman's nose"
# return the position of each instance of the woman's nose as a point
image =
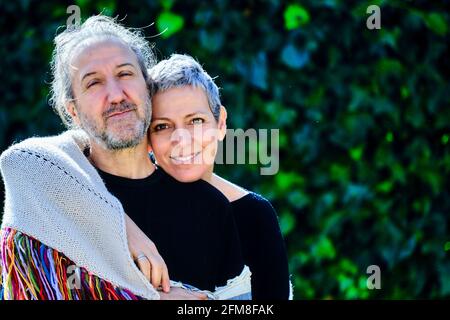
(181, 136)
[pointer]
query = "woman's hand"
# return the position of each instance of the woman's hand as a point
(146, 256)
(182, 294)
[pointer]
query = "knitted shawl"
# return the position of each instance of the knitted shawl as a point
(54, 195)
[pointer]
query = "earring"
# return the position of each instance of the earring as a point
(151, 155)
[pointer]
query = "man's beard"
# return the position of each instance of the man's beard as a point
(110, 140)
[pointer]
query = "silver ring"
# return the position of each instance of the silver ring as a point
(140, 256)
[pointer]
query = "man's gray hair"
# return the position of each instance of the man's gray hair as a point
(182, 70)
(68, 41)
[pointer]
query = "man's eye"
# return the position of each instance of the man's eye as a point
(92, 83)
(125, 74)
(160, 127)
(197, 121)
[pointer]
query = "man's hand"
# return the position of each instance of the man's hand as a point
(182, 294)
(150, 262)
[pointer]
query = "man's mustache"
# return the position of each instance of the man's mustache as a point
(119, 107)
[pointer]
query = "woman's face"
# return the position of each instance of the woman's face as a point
(184, 133)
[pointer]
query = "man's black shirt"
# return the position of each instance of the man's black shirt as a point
(191, 225)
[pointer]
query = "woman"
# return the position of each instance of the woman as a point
(188, 120)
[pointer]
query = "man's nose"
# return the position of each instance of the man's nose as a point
(115, 92)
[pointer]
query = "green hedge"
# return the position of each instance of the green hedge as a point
(363, 117)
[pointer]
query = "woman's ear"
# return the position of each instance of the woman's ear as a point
(149, 146)
(149, 141)
(222, 123)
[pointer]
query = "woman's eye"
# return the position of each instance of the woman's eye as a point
(197, 121)
(160, 127)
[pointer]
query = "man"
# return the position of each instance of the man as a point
(100, 85)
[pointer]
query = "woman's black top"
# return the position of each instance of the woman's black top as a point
(262, 246)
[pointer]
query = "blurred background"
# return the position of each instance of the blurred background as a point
(363, 115)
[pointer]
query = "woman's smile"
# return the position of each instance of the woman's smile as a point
(185, 159)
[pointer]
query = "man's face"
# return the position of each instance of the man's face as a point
(112, 103)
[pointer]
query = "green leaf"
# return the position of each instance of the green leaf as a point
(167, 4)
(283, 140)
(348, 266)
(447, 246)
(436, 22)
(387, 66)
(287, 222)
(286, 180)
(345, 282)
(210, 40)
(324, 249)
(295, 16)
(339, 172)
(304, 288)
(433, 179)
(405, 92)
(82, 3)
(389, 137)
(298, 199)
(59, 12)
(385, 186)
(106, 7)
(356, 153)
(169, 23)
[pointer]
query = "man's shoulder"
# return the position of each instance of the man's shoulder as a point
(32, 152)
(33, 145)
(47, 143)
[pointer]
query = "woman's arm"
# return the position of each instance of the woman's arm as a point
(154, 268)
(263, 247)
(261, 240)
(146, 256)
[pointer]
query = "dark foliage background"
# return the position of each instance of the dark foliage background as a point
(363, 116)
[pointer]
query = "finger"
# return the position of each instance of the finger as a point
(199, 295)
(160, 273)
(156, 276)
(179, 294)
(145, 267)
(165, 279)
(157, 270)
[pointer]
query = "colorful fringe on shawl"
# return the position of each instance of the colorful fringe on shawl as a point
(32, 271)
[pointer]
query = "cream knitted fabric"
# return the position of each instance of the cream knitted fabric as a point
(54, 194)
